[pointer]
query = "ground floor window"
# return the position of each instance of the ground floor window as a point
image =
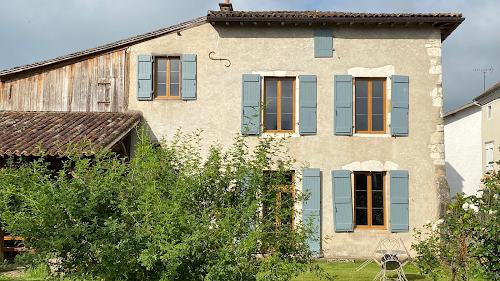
(369, 200)
(278, 203)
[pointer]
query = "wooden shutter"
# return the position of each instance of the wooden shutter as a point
(188, 88)
(307, 104)
(250, 112)
(342, 201)
(399, 105)
(144, 77)
(342, 120)
(311, 209)
(323, 43)
(399, 201)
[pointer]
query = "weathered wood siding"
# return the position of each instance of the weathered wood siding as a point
(93, 85)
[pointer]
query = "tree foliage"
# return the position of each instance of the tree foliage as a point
(174, 212)
(466, 241)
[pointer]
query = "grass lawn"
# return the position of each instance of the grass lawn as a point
(347, 271)
(341, 271)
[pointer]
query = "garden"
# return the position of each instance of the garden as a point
(178, 212)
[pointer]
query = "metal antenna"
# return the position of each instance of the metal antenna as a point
(484, 70)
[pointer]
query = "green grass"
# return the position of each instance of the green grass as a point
(347, 271)
(342, 271)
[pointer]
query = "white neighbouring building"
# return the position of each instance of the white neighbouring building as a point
(462, 137)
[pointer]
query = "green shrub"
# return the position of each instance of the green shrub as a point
(174, 212)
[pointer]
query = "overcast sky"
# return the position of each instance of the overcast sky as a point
(36, 30)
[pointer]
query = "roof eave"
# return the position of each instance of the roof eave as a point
(456, 21)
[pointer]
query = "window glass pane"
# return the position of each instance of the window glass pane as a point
(174, 90)
(361, 105)
(361, 122)
(161, 90)
(361, 217)
(377, 89)
(271, 89)
(378, 181)
(271, 105)
(174, 77)
(162, 64)
(174, 64)
(162, 77)
(378, 217)
(286, 122)
(377, 106)
(361, 199)
(271, 122)
(287, 89)
(377, 122)
(360, 181)
(377, 199)
(361, 88)
(286, 105)
(287, 207)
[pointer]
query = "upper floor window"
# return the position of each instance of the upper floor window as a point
(489, 112)
(370, 110)
(168, 78)
(279, 97)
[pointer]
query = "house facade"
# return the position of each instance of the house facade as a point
(463, 150)
(360, 96)
(489, 101)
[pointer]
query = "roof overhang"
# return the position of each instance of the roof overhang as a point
(489, 95)
(60, 133)
(447, 23)
(458, 109)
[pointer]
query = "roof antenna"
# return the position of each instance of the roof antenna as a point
(484, 70)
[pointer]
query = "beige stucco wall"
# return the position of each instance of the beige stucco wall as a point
(363, 51)
(490, 132)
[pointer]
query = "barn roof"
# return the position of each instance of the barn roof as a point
(53, 133)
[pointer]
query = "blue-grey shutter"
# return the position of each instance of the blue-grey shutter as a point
(144, 77)
(399, 201)
(342, 120)
(323, 43)
(250, 112)
(307, 104)
(188, 88)
(311, 209)
(399, 105)
(342, 201)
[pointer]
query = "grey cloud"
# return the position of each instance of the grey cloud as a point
(36, 30)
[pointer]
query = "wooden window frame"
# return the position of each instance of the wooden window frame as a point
(168, 96)
(279, 79)
(369, 201)
(369, 94)
(278, 197)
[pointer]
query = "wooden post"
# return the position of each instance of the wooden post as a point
(2, 234)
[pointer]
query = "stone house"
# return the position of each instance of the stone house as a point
(359, 94)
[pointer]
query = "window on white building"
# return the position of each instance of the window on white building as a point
(489, 157)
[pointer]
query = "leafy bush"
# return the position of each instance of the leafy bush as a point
(174, 212)
(467, 240)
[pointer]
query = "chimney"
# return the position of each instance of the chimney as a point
(226, 7)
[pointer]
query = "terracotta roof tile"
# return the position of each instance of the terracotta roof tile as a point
(322, 14)
(22, 133)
